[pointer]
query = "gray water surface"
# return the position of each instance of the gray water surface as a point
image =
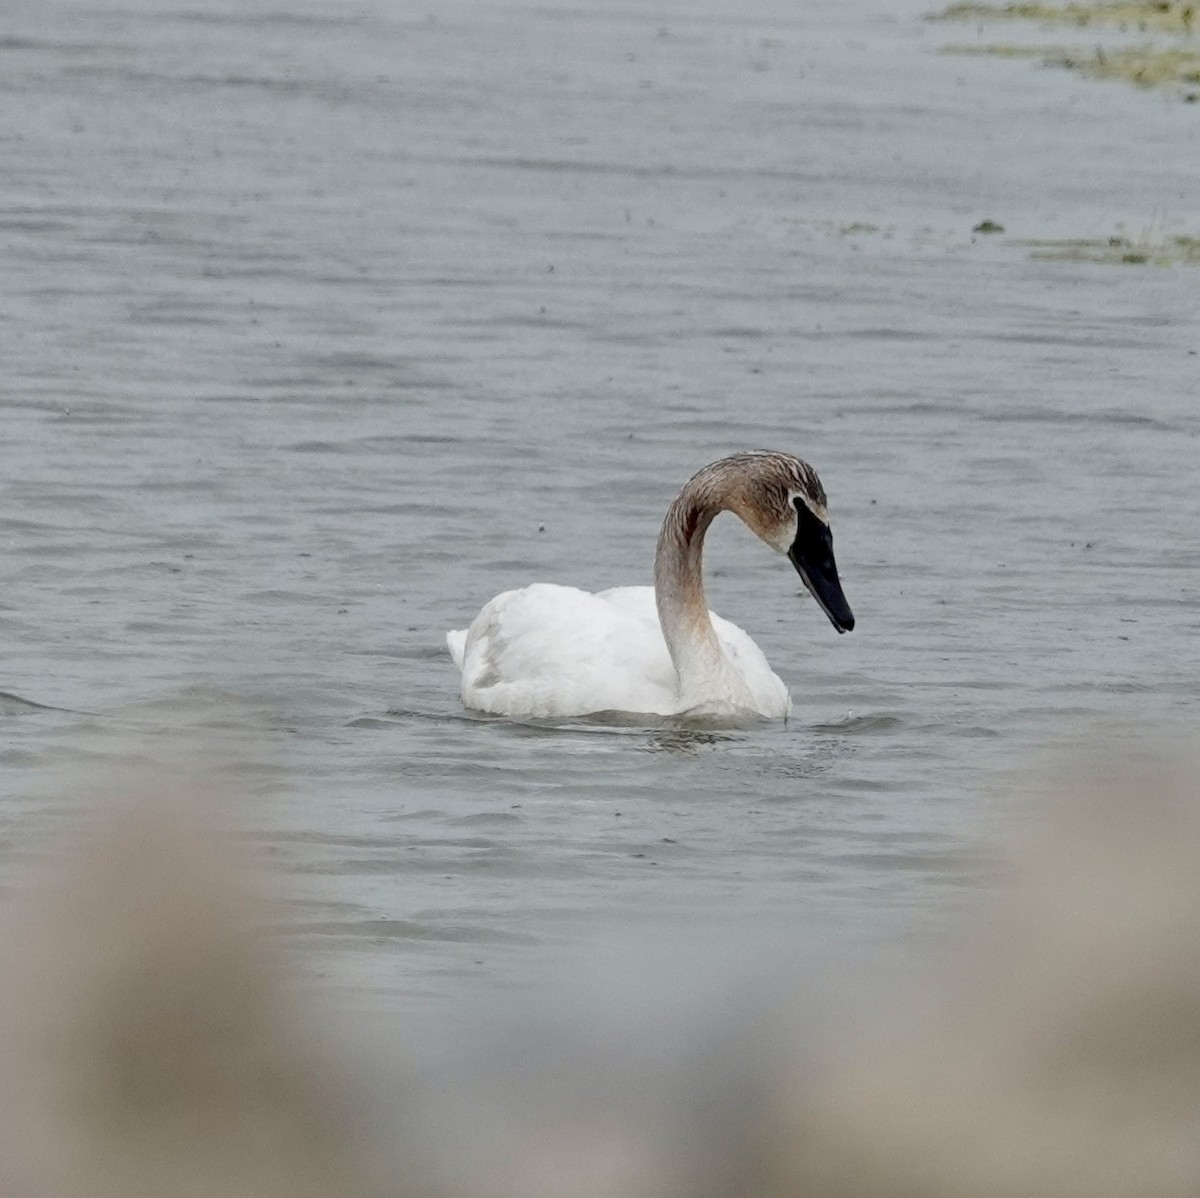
(321, 324)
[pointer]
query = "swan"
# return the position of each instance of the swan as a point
(548, 650)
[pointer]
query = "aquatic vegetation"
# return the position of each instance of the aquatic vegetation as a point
(1151, 65)
(1122, 251)
(1144, 66)
(1169, 16)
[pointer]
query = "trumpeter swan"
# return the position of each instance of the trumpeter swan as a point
(548, 650)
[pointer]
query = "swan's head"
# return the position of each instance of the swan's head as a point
(782, 500)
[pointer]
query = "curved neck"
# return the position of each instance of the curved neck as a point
(679, 594)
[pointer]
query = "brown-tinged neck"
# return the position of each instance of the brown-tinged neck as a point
(679, 589)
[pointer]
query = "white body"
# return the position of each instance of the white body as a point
(549, 650)
(556, 651)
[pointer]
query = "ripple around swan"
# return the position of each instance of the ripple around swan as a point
(11, 704)
(863, 725)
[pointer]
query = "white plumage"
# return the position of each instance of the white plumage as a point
(548, 650)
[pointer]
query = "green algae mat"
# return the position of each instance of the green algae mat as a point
(1170, 61)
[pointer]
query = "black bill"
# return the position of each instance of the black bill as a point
(812, 555)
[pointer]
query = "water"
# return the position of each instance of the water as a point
(323, 324)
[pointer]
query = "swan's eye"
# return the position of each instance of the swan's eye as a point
(803, 511)
(814, 535)
(812, 555)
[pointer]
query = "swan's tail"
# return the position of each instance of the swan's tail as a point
(456, 642)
